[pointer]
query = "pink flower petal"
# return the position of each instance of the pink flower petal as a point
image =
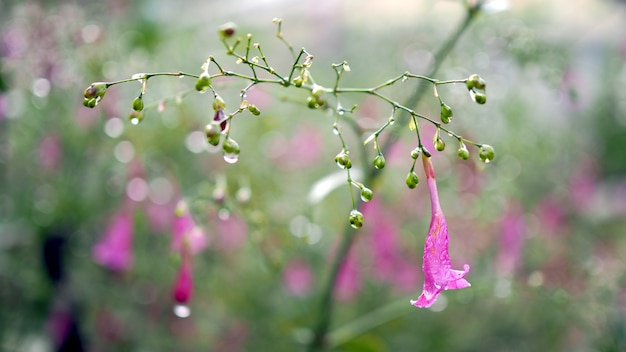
(438, 272)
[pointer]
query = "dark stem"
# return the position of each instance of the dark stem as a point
(326, 303)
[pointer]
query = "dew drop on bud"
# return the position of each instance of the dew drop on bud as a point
(486, 153)
(356, 219)
(366, 194)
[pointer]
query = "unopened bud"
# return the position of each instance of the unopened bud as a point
(379, 161)
(480, 98)
(90, 103)
(415, 153)
(311, 102)
(463, 153)
(298, 81)
(138, 104)
(227, 30)
(230, 146)
(203, 83)
(446, 113)
(472, 81)
(412, 180)
(95, 90)
(213, 133)
(366, 194)
(439, 144)
(343, 160)
(135, 117)
(486, 153)
(218, 103)
(254, 110)
(356, 219)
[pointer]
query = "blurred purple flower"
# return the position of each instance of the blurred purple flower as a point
(115, 249)
(183, 288)
(512, 230)
(438, 273)
(348, 283)
(297, 278)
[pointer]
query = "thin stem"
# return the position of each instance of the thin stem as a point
(326, 306)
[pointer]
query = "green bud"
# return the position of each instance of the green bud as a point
(480, 98)
(90, 103)
(439, 144)
(254, 110)
(218, 103)
(446, 113)
(213, 133)
(298, 81)
(463, 153)
(343, 160)
(480, 83)
(320, 100)
(203, 83)
(356, 219)
(366, 194)
(138, 104)
(227, 30)
(95, 90)
(311, 102)
(486, 153)
(415, 153)
(472, 81)
(412, 180)
(379, 161)
(230, 146)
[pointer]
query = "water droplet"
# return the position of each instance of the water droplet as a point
(450, 134)
(341, 111)
(182, 311)
(336, 129)
(404, 78)
(391, 120)
(231, 158)
(135, 121)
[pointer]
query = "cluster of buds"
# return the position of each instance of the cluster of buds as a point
(94, 94)
(476, 86)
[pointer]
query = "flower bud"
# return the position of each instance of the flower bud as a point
(218, 103)
(379, 161)
(298, 81)
(138, 104)
(472, 81)
(439, 144)
(366, 194)
(356, 219)
(254, 110)
(486, 153)
(480, 98)
(446, 113)
(412, 180)
(95, 90)
(415, 153)
(230, 146)
(213, 133)
(343, 160)
(90, 103)
(462, 152)
(311, 102)
(203, 83)
(227, 30)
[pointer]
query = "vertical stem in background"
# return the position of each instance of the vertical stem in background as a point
(326, 302)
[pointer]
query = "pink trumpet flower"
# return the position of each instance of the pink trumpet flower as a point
(438, 272)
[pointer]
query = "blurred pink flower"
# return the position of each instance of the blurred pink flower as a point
(183, 288)
(348, 283)
(185, 229)
(297, 278)
(115, 249)
(512, 231)
(438, 273)
(50, 152)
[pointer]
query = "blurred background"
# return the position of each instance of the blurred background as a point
(89, 236)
